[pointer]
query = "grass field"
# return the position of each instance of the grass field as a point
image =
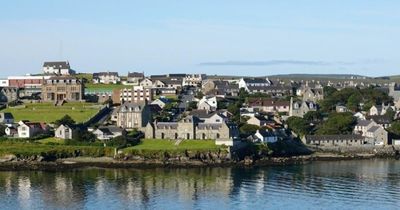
(60, 151)
(163, 144)
(47, 112)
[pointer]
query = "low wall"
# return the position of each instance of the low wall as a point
(387, 150)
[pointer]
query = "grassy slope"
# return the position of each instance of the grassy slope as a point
(168, 145)
(47, 112)
(28, 149)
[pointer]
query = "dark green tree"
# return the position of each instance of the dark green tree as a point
(338, 123)
(299, 125)
(66, 120)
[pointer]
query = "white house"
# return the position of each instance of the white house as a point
(265, 136)
(58, 68)
(106, 78)
(107, 133)
(4, 83)
(254, 82)
(161, 102)
(208, 103)
(28, 129)
(63, 132)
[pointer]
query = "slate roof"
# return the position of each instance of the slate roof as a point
(267, 102)
(99, 74)
(333, 137)
(363, 123)
(212, 126)
(57, 64)
(135, 74)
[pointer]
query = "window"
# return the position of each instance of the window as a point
(218, 136)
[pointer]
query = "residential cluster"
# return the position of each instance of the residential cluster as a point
(226, 109)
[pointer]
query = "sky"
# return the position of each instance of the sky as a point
(226, 37)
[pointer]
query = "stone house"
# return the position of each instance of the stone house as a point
(6, 118)
(28, 129)
(334, 140)
(299, 109)
(394, 91)
(134, 78)
(208, 103)
(269, 105)
(57, 68)
(190, 128)
(313, 94)
(220, 88)
(62, 88)
(257, 120)
(106, 78)
(380, 109)
(133, 115)
(64, 132)
(161, 102)
(372, 131)
(209, 117)
(9, 94)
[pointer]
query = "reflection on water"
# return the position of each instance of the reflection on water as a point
(366, 184)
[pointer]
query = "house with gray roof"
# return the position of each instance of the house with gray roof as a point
(109, 132)
(106, 78)
(334, 140)
(6, 118)
(57, 68)
(133, 115)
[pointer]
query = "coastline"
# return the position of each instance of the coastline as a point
(107, 162)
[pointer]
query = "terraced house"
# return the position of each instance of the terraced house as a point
(191, 127)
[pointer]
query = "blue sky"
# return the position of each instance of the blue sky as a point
(213, 37)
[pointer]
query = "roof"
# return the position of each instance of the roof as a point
(164, 125)
(96, 75)
(110, 130)
(8, 115)
(129, 106)
(380, 119)
(63, 78)
(57, 64)
(212, 126)
(135, 74)
(333, 137)
(256, 80)
(271, 88)
(267, 102)
(363, 123)
(374, 128)
(265, 133)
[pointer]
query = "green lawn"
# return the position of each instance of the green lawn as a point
(47, 112)
(101, 87)
(29, 149)
(163, 144)
(52, 140)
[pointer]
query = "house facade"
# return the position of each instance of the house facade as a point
(57, 68)
(269, 105)
(61, 88)
(246, 83)
(106, 78)
(6, 118)
(28, 129)
(208, 103)
(133, 115)
(134, 78)
(63, 132)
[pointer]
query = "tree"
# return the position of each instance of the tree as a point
(249, 129)
(66, 120)
(83, 135)
(395, 128)
(298, 125)
(338, 123)
(353, 101)
(313, 116)
(328, 91)
(192, 105)
(2, 130)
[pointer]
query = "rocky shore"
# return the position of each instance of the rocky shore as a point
(12, 163)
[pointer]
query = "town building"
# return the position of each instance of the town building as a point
(134, 78)
(64, 132)
(300, 108)
(28, 129)
(247, 83)
(9, 94)
(334, 140)
(269, 105)
(373, 132)
(30, 84)
(313, 94)
(4, 83)
(62, 88)
(57, 68)
(265, 136)
(133, 115)
(208, 103)
(106, 78)
(146, 83)
(380, 109)
(190, 128)
(220, 88)
(193, 79)
(109, 132)
(257, 120)
(134, 94)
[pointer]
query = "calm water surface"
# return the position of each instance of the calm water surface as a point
(366, 184)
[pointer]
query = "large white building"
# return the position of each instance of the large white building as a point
(58, 68)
